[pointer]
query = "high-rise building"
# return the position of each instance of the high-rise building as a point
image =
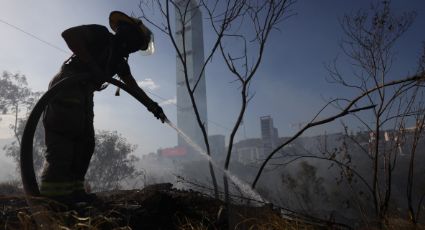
(194, 49)
(269, 134)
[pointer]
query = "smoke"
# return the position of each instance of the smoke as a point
(7, 167)
(153, 170)
(5, 122)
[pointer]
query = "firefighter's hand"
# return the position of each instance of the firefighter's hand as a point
(157, 112)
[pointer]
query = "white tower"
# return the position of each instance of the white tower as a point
(194, 45)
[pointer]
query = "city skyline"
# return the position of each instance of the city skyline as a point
(291, 84)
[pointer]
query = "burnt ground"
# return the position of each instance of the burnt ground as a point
(154, 207)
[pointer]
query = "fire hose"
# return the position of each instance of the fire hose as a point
(26, 155)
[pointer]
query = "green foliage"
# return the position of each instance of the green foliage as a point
(15, 96)
(17, 99)
(112, 162)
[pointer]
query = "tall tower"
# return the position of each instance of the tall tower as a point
(194, 44)
(269, 134)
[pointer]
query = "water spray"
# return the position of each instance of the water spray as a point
(242, 185)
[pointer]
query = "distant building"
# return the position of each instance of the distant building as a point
(248, 151)
(254, 150)
(269, 134)
(401, 140)
(194, 43)
(176, 152)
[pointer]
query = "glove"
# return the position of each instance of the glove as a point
(157, 112)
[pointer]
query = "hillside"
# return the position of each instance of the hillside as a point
(155, 207)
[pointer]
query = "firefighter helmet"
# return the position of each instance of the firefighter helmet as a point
(116, 17)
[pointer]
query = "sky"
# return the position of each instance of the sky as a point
(290, 84)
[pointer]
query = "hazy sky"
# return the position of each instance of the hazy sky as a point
(290, 85)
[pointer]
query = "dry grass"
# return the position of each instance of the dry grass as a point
(398, 223)
(165, 209)
(41, 216)
(67, 221)
(256, 220)
(71, 220)
(273, 221)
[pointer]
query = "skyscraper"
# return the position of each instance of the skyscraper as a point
(269, 134)
(191, 27)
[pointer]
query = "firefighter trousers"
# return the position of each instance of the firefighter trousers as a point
(69, 137)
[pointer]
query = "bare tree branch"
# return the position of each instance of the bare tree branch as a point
(347, 110)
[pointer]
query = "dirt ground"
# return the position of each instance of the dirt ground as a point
(154, 207)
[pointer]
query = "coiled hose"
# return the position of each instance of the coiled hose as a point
(26, 155)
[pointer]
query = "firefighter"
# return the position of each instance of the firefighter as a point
(68, 118)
